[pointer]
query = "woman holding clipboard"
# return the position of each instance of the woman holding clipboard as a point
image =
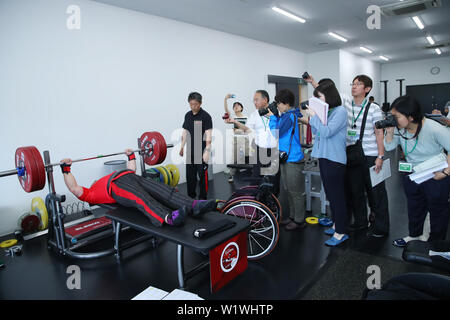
(330, 148)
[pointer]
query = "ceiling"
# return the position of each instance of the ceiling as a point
(399, 39)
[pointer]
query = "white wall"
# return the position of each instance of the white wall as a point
(323, 64)
(96, 90)
(415, 73)
(342, 66)
(351, 65)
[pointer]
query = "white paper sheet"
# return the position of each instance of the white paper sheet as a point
(151, 293)
(320, 108)
(425, 175)
(178, 294)
(384, 173)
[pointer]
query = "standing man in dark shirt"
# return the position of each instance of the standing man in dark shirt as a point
(197, 134)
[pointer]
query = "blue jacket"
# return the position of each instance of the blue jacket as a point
(284, 125)
(330, 140)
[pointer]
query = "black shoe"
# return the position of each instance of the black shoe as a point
(357, 227)
(177, 217)
(295, 226)
(204, 206)
(377, 234)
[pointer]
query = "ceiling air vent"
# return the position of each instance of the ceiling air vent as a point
(409, 7)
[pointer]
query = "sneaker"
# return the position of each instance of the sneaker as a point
(294, 226)
(203, 206)
(377, 234)
(230, 179)
(285, 221)
(330, 231)
(399, 242)
(177, 217)
(357, 227)
(326, 222)
(335, 242)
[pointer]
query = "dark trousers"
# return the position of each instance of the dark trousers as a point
(333, 180)
(263, 160)
(358, 183)
(192, 171)
(154, 199)
(429, 196)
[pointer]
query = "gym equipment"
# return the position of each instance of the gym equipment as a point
(312, 169)
(87, 228)
(8, 243)
(38, 207)
(386, 105)
(66, 243)
(29, 222)
(175, 172)
(182, 236)
(31, 170)
(419, 252)
(312, 220)
(165, 175)
(401, 86)
(14, 251)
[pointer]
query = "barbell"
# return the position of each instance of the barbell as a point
(30, 167)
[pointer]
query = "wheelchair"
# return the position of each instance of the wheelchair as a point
(258, 204)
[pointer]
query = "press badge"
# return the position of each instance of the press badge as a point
(351, 133)
(404, 167)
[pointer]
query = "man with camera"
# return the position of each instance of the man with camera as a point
(264, 144)
(371, 155)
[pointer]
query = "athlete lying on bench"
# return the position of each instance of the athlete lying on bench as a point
(159, 202)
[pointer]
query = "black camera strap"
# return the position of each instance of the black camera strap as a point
(363, 124)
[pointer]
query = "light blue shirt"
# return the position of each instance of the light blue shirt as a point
(330, 140)
(432, 140)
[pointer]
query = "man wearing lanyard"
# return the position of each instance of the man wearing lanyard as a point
(359, 176)
(264, 142)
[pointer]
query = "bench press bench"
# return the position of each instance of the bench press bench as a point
(183, 237)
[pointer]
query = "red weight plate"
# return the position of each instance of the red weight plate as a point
(162, 146)
(40, 168)
(30, 223)
(25, 159)
(149, 139)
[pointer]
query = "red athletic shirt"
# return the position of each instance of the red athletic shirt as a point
(98, 192)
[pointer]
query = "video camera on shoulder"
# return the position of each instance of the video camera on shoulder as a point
(272, 107)
(390, 121)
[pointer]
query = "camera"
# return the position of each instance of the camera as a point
(225, 116)
(390, 121)
(272, 107)
(305, 75)
(283, 157)
(304, 104)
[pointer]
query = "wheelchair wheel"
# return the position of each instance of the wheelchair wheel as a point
(263, 234)
(272, 203)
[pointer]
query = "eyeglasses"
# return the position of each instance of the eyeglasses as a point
(356, 84)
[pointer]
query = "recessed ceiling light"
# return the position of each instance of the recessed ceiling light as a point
(430, 40)
(418, 22)
(288, 14)
(438, 51)
(334, 35)
(366, 50)
(384, 58)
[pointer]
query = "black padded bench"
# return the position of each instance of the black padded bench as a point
(182, 236)
(418, 251)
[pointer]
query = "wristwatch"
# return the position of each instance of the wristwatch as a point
(381, 157)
